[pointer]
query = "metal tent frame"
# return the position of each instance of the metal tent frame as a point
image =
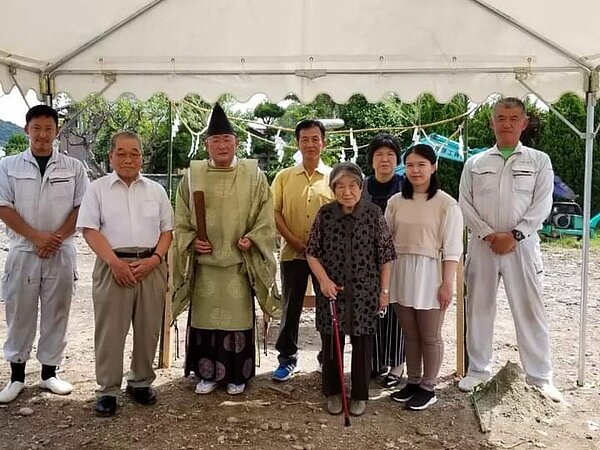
(47, 75)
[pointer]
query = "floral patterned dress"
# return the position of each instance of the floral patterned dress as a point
(352, 248)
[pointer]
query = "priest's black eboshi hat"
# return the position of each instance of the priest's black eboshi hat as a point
(219, 123)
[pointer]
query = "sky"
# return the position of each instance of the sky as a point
(13, 108)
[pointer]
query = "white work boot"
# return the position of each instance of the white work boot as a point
(57, 386)
(550, 391)
(468, 383)
(11, 391)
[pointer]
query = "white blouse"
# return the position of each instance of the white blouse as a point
(416, 279)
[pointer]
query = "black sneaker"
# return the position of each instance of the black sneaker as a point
(421, 400)
(406, 393)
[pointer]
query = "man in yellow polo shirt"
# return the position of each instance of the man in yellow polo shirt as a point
(298, 194)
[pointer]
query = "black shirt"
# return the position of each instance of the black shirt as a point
(42, 162)
(380, 193)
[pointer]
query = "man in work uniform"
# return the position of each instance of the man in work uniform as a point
(127, 220)
(298, 193)
(40, 193)
(505, 195)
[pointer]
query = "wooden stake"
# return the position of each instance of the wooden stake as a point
(165, 352)
(461, 359)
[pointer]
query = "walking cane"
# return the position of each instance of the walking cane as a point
(340, 360)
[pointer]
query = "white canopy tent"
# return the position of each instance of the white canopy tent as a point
(308, 47)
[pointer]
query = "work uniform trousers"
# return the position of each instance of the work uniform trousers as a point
(294, 280)
(115, 309)
(30, 281)
(522, 272)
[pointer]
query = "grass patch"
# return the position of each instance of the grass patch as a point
(570, 242)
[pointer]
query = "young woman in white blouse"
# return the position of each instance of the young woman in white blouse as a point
(426, 225)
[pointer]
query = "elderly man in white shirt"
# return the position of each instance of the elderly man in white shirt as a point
(505, 195)
(127, 220)
(40, 193)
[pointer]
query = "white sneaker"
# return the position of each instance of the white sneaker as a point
(468, 383)
(550, 391)
(10, 392)
(56, 385)
(206, 387)
(235, 389)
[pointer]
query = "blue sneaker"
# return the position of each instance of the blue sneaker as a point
(285, 371)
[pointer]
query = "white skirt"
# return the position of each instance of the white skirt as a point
(415, 281)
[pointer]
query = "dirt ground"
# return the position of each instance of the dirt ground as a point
(292, 415)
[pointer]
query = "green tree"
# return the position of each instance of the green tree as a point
(427, 110)
(98, 120)
(358, 114)
(567, 150)
(322, 107)
(266, 113)
(479, 131)
(16, 144)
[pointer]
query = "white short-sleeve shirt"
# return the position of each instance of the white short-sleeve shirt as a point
(127, 216)
(44, 203)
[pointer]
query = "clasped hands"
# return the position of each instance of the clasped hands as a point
(128, 274)
(47, 243)
(501, 243)
(205, 247)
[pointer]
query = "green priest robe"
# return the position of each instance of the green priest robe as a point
(238, 203)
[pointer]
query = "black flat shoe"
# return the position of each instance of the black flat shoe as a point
(106, 406)
(391, 380)
(143, 395)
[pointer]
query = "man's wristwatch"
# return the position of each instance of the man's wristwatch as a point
(518, 235)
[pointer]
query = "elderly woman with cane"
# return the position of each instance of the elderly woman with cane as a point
(350, 252)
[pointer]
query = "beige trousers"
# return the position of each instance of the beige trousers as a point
(115, 309)
(424, 344)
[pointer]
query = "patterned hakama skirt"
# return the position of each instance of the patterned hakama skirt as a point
(221, 355)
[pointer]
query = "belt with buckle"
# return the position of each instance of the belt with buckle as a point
(138, 255)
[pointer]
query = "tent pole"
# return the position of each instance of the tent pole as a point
(170, 152)
(589, 135)
(83, 47)
(73, 118)
(552, 108)
(5, 60)
(587, 191)
(531, 32)
(13, 73)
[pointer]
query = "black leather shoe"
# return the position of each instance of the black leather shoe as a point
(106, 406)
(142, 395)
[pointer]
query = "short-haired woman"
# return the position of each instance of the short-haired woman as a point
(383, 154)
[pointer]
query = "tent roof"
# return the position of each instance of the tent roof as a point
(277, 47)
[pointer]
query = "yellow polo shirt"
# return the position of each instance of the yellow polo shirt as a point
(298, 198)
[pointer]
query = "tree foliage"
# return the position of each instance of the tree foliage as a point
(151, 120)
(16, 144)
(7, 129)
(567, 150)
(99, 120)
